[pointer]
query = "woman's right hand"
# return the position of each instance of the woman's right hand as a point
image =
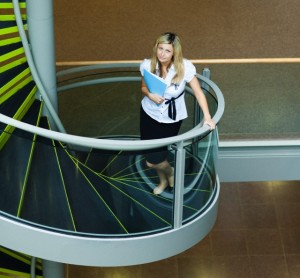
(156, 98)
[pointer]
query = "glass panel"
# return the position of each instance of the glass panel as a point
(97, 192)
(101, 110)
(93, 192)
(199, 176)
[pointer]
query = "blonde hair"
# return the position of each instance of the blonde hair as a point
(177, 59)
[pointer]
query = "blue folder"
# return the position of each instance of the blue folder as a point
(155, 84)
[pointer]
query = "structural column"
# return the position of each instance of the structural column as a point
(41, 37)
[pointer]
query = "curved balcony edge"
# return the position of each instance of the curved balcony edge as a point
(89, 251)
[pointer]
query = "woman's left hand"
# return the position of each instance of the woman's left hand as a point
(210, 122)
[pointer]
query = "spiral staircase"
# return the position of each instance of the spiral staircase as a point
(91, 203)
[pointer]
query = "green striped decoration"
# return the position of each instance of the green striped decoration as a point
(18, 115)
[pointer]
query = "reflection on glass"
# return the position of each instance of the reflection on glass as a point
(84, 191)
(95, 191)
(92, 192)
(200, 177)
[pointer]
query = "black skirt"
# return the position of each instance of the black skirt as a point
(152, 129)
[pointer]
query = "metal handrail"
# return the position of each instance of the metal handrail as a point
(122, 144)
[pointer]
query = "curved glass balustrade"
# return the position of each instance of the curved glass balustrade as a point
(97, 192)
(91, 186)
(55, 185)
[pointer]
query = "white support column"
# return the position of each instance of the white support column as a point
(41, 37)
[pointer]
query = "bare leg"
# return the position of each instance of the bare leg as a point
(165, 173)
(171, 178)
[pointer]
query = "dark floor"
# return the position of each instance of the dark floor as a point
(256, 235)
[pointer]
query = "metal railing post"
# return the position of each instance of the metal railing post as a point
(32, 267)
(197, 111)
(179, 185)
(205, 73)
(53, 269)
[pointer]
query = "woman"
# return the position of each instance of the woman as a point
(161, 116)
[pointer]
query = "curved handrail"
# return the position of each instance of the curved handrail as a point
(33, 69)
(126, 144)
(92, 66)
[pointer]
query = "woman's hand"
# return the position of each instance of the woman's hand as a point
(209, 121)
(152, 96)
(156, 98)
